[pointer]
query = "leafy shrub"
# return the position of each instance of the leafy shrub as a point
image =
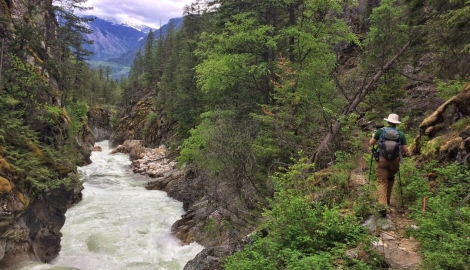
(303, 234)
(444, 227)
(78, 113)
(412, 183)
(193, 148)
(448, 89)
(152, 116)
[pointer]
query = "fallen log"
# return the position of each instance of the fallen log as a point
(334, 129)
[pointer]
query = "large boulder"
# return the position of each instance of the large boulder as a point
(447, 131)
(134, 148)
(30, 231)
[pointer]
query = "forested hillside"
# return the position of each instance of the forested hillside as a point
(271, 105)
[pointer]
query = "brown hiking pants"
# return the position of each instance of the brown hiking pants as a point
(385, 171)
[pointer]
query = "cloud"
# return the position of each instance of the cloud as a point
(147, 12)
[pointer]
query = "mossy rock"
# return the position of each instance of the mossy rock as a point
(23, 199)
(453, 114)
(66, 116)
(431, 148)
(447, 114)
(64, 169)
(4, 166)
(5, 187)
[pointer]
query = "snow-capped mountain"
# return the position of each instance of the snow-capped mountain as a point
(114, 39)
(138, 27)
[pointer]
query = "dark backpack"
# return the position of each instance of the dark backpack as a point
(389, 143)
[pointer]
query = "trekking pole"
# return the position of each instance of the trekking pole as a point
(401, 191)
(370, 168)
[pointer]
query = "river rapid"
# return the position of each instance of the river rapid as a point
(119, 224)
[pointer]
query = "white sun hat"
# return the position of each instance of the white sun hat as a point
(393, 118)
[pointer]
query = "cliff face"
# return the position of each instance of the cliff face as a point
(99, 121)
(143, 121)
(37, 181)
(32, 232)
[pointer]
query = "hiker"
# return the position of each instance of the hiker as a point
(392, 146)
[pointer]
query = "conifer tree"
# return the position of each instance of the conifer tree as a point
(149, 59)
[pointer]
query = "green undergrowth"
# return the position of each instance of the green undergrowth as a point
(314, 220)
(36, 137)
(437, 198)
(306, 234)
(444, 225)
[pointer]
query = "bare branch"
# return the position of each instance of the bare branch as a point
(324, 145)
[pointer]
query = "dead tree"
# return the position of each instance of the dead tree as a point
(324, 145)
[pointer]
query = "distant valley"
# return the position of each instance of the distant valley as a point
(116, 43)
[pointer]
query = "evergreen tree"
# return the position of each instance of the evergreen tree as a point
(149, 59)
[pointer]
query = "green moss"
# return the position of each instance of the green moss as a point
(6, 8)
(5, 166)
(451, 144)
(5, 187)
(23, 199)
(461, 124)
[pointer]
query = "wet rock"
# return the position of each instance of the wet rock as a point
(132, 147)
(208, 259)
(85, 143)
(33, 234)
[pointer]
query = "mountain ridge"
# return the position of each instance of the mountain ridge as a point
(139, 27)
(116, 43)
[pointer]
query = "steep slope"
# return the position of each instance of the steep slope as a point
(127, 58)
(112, 39)
(39, 149)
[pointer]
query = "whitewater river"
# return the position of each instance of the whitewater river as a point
(119, 224)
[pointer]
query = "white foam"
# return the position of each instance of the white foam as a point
(119, 224)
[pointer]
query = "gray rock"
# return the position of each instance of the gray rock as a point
(208, 259)
(384, 224)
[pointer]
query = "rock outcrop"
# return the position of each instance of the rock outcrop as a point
(447, 131)
(30, 221)
(35, 235)
(99, 121)
(85, 143)
(142, 122)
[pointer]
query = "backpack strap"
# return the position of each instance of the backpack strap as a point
(400, 154)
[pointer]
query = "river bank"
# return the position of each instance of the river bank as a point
(119, 225)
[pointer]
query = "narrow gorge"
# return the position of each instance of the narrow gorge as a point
(119, 224)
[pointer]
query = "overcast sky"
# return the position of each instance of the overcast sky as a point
(146, 12)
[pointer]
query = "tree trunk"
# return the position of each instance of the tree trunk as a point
(324, 145)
